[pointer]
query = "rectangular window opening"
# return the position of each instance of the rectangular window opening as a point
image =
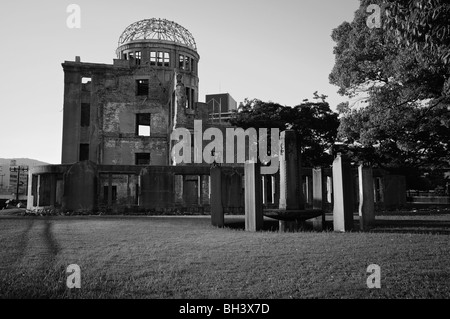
(160, 59)
(86, 80)
(143, 124)
(84, 152)
(188, 101)
(86, 84)
(125, 56)
(85, 115)
(113, 194)
(166, 59)
(181, 62)
(142, 159)
(138, 57)
(153, 58)
(187, 63)
(142, 87)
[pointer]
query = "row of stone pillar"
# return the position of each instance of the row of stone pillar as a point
(291, 195)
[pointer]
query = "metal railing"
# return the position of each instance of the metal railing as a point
(220, 117)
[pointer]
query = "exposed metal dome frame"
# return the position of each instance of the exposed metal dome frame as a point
(158, 29)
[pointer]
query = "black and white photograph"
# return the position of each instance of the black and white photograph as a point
(225, 158)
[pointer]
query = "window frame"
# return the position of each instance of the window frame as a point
(139, 117)
(141, 86)
(138, 57)
(83, 150)
(137, 159)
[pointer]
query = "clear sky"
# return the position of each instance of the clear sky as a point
(277, 50)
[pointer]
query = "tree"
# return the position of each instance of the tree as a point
(423, 24)
(405, 119)
(315, 123)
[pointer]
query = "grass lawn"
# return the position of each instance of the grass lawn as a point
(185, 257)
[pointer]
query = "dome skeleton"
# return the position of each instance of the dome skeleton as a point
(157, 29)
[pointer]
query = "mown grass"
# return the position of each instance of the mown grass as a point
(158, 257)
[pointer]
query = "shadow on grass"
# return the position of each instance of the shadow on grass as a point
(239, 224)
(381, 226)
(426, 212)
(412, 226)
(272, 225)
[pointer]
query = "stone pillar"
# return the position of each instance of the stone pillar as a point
(205, 189)
(52, 190)
(178, 181)
(276, 189)
(40, 190)
(199, 190)
(110, 190)
(271, 188)
(264, 189)
(308, 191)
(343, 195)
(290, 172)
(129, 202)
(217, 217)
(254, 218)
(330, 189)
(290, 177)
(366, 197)
(319, 197)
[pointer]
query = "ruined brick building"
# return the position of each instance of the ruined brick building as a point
(118, 118)
(123, 113)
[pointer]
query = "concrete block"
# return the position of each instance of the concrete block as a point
(290, 172)
(254, 218)
(366, 197)
(343, 195)
(217, 216)
(319, 197)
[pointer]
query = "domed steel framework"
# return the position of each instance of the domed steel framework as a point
(158, 29)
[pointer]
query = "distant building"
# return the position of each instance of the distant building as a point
(11, 180)
(222, 102)
(220, 106)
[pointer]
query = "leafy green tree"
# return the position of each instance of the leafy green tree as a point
(405, 119)
(314, 121)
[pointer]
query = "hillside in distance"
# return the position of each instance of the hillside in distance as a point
(22, 161)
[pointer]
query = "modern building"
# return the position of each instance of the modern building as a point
(220, 106)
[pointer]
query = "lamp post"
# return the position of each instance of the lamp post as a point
(18, 169)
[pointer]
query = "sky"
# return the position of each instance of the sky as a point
(272, 50)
